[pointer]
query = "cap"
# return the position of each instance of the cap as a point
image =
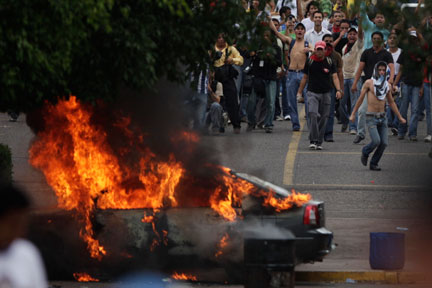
(352, 29)
(299, 24)
(320, 44)
(413, 33)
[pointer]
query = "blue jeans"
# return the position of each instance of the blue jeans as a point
(410, 94)
(391, 116)
(277, 102)
(344, 110)
(361, 114)
(286, 110)
(214, 117)
(293, 83)
(427, 103)
(379, 138)
(330, 120)
(243, 105)
(270, 90)
(196, 105)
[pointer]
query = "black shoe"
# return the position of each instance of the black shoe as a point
(394, 131)
(296, 129)
(364, 159)
(268, 129)
(222, 130)
(328, 139)
(13, 117)
(374, 167)
(358, 139)
(250, 128)
(344, 127)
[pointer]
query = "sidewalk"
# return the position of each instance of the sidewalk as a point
(349, 262)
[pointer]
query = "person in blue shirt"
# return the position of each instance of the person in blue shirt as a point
(377, 24)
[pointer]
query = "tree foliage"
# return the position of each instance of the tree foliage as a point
(92, 48)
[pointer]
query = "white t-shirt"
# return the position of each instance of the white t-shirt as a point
(395, 58)
(309, 24)
(313, 37)
(21, 266)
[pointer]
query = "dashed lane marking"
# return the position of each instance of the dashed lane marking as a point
(353, 186)
(359, 153)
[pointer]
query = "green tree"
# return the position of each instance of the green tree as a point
(92, 48)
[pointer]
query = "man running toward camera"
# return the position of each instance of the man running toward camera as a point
(378, 90)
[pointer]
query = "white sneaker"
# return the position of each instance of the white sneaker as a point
(312, 146)
(279, 118)
(319, 147)
(287, 117)
(428, 138)
(353, 132)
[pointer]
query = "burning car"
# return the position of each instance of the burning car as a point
(124, 206)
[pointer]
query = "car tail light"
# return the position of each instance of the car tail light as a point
(311, 215)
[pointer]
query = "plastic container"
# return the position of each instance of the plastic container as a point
(387, 251)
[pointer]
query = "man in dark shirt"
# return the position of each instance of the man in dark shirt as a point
(337, 59)
(368, 59)
(319, 72)
(411, 62)
(341, 38)
(264, 67)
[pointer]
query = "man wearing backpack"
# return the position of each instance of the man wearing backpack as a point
(319, 72)
(225, 56)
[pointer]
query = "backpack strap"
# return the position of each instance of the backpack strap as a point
(291, 45)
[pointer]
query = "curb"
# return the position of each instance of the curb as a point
(386, 277)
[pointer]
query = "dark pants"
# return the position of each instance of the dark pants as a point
(231, 102)
(319, 109)
(330, 121)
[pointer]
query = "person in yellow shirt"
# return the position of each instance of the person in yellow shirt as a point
(224, 57)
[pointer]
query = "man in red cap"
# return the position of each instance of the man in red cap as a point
(319, 71)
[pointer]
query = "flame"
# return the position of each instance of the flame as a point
(148, 219)
(230, 194)
(286, 203)
(84, 277)
(222, 244)
(87, 172)
(183, 276)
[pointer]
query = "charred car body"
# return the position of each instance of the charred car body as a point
(187, 239)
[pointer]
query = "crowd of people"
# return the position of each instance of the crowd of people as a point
(330, 56)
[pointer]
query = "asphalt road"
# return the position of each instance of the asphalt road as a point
(358, 201)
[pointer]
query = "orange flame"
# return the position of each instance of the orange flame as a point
(222, 244)
(86, 173)
(183, 276)
(286, 203)
(84, 277)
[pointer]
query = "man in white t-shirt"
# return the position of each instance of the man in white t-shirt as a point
(351, 53)
(316, 34)
(393, 121)
(309, 22)
(21, 265)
